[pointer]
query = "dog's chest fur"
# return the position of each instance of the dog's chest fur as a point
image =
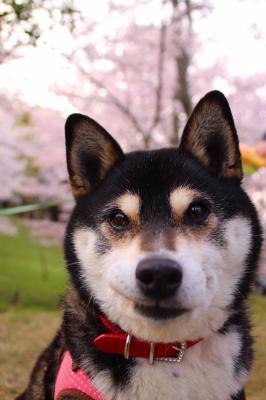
(206, 372)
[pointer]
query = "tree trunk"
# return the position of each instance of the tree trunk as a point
(182, 26)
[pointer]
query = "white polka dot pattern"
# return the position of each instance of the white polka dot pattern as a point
(67, 379)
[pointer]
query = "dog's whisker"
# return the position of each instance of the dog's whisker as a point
(74, 263)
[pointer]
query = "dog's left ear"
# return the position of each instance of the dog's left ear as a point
(91, 152)
(210, 136)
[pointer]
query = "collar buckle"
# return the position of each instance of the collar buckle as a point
(179, 357)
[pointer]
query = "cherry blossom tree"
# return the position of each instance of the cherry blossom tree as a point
(22, 22)
(31, 153)
(140, 71)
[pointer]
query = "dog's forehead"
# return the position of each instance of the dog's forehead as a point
(152, 173)
(156, 181)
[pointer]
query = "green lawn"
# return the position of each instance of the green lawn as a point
(30, 274)
(32, 279)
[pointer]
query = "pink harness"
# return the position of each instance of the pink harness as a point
(74, 382)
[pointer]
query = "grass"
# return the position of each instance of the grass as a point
(30, 274)
(32, 279)
(256, 386)
(24, 332)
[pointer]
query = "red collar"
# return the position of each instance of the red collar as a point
(119, 342)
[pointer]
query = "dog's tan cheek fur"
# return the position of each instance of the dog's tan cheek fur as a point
(202, 232)
(171, 237)
(115, 239)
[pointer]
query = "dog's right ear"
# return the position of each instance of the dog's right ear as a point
(91, 152)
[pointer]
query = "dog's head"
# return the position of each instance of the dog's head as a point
(164, 242)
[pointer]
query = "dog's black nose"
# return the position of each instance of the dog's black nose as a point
(158, 278)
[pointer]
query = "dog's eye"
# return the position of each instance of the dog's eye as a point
(118, 221)
(197, 213)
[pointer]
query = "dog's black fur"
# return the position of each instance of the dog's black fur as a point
(207, 161)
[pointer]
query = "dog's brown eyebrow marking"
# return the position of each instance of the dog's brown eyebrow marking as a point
(180, 199)
(130, 203)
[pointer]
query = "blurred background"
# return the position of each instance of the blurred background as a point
(138, 68)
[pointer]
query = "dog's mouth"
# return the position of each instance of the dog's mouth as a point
(155, 310)
(159, 312)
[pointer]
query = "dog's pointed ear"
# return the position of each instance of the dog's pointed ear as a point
(210, 136)
(91, 152)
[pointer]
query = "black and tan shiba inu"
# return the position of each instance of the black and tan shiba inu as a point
(161, 249)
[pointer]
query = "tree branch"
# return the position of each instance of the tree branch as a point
(160, 74)
(120, 105)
